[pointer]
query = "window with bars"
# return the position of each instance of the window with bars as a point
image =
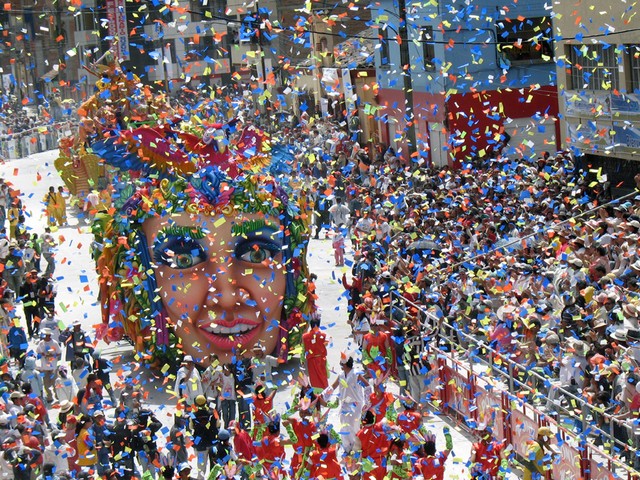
(87, 20)
(383, 38)
(593, 67)
(633, 53)
(428, 48)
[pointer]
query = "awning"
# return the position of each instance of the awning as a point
(50, 75)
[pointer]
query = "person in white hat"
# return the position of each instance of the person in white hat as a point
(66, 386)
(49, 353)
(351, 400)
(188, 382)
(630, 312)
(571, 377)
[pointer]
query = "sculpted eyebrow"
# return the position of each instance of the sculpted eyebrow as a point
(193, 232)
(252, 226)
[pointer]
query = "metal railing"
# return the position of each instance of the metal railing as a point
(34, 140)
(509, 378)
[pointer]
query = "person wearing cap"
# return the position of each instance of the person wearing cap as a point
(204, 426)
(17, 342)
(222, 453)
(29, 295)
(16, 405)
(101, 436)
(176, 448)
(360, 324)
(539, 455)
(57, 453)
(184, 471)
(147, 426)
(262, 366)
(188, 382)
(49, 353)
(49, 321)
(76, 341)
(22, 458)
(488, 455)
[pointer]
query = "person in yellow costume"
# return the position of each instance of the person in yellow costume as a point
(60, 211)
(539, 455)
(50, 206)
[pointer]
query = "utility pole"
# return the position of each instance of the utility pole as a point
(405, 61)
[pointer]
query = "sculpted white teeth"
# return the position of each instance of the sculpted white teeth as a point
(236, 329)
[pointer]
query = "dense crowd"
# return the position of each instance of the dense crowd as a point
(528, 258)
(15, 118)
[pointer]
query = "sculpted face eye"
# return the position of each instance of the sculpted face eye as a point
(256, 251)
(257, 242)
(175, 251)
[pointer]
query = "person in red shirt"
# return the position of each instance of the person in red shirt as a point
(372, 443)
(486, 455)
(323, 461)
(270, 450)
(303, 431)
(377, 354)
(432, 465)
(262, 407)
(379, 401)
(315, 354)
(40, 410)
(242, 445)
(409, 421)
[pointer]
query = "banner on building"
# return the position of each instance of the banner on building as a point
(628, 104)
(117, 17)
(348, 90)
(590, 135)
(627, 137)
(587, 105)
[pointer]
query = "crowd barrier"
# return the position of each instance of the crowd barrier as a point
(35, 140)
(488, 390)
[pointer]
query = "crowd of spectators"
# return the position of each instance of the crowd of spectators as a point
(532, 259)
(529, 258)
(23, 124)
